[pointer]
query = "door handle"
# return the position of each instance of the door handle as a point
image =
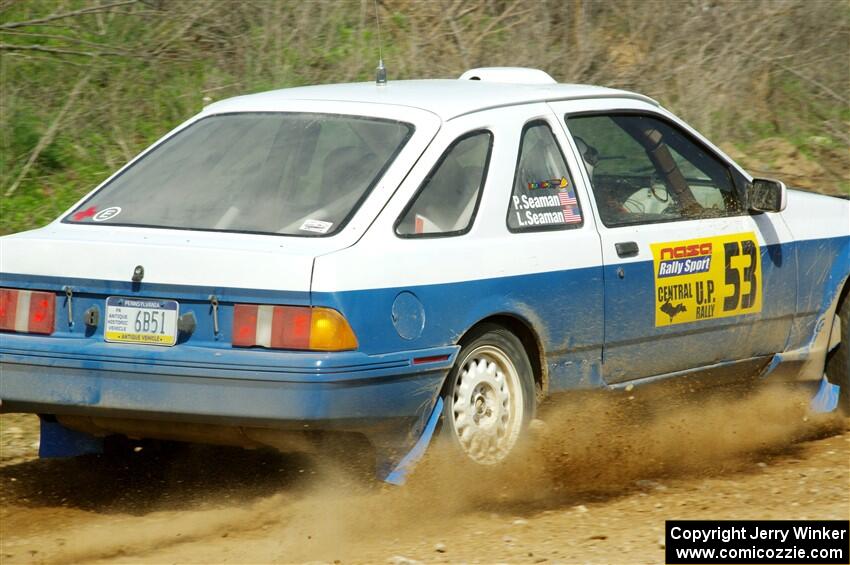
(626, 248)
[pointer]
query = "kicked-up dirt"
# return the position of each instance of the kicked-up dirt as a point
(594, 485)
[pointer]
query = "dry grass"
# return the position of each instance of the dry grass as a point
(740, 71)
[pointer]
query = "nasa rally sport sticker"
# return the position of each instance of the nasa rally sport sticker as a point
(106, 214)
(706, 278)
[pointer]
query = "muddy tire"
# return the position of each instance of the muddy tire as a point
(838, 360)
(489, 398)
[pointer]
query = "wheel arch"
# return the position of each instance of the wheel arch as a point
(529, 338)
(844, 292)
(843, 296)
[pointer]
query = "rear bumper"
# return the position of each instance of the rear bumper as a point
(383, 394)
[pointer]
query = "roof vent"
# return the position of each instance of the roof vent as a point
(516, 75)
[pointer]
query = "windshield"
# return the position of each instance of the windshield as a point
(284, 173)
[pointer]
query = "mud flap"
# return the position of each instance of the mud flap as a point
(826, 399)
(59, 441)
(395, 470)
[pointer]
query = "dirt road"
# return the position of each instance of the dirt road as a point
(595, 486)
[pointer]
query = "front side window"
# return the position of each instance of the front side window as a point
(446, 202)
(644, 170)
(543, 196)
(276, 173)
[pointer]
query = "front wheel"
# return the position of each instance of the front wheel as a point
(489, 398)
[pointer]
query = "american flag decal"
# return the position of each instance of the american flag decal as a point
(569, 204)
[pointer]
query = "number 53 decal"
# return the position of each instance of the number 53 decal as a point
(707, 278)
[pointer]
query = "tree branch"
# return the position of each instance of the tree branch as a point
(43, 49)
(69, 38)
(81, 11)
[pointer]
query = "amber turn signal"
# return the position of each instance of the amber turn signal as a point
(291, 327)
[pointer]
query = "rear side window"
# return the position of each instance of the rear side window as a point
(278, 173)
(543, 196)
(644, 170)
(448, 198)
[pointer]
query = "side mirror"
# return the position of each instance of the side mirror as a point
(767, 195)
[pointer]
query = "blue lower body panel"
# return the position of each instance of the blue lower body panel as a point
(391, 410)
(360, 404)
(387, 398)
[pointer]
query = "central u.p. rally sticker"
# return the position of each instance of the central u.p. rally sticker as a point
(706, 278)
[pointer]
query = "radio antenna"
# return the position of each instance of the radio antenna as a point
(380, 71)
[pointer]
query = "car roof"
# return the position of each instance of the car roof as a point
(447, 98)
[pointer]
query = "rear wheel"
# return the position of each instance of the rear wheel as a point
(489, 398)
(838, 360)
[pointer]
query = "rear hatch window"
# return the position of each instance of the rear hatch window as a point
(271, 173)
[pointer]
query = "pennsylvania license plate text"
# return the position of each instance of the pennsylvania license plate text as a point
(141, 320)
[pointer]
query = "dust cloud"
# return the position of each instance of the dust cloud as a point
(591, 447)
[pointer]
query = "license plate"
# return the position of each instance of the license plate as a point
(141, 320)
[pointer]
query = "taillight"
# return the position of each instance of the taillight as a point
(27, 311)
(291, 327)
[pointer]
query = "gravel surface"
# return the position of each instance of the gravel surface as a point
(595, 487)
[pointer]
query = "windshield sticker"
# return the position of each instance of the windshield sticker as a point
(551, 183)
(553, 203)
(707, 278)
(317, 226)
(84, 214)
(106, 214)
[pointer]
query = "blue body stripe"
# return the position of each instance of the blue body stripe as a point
(564, 308)
(823, 266)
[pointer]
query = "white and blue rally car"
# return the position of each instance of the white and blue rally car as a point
(381, 259)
